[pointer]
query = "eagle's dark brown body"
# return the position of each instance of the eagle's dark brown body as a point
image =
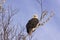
(32, 23)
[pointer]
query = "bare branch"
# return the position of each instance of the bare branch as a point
(44, 13)
(51, 15)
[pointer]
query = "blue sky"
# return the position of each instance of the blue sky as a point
(51, 30)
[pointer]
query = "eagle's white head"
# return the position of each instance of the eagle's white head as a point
(35, 16)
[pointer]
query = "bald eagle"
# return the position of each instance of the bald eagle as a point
(32, 24)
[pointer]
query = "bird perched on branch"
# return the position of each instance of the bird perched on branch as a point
(32, 24)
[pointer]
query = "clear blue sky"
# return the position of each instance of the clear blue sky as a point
(51, 30)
